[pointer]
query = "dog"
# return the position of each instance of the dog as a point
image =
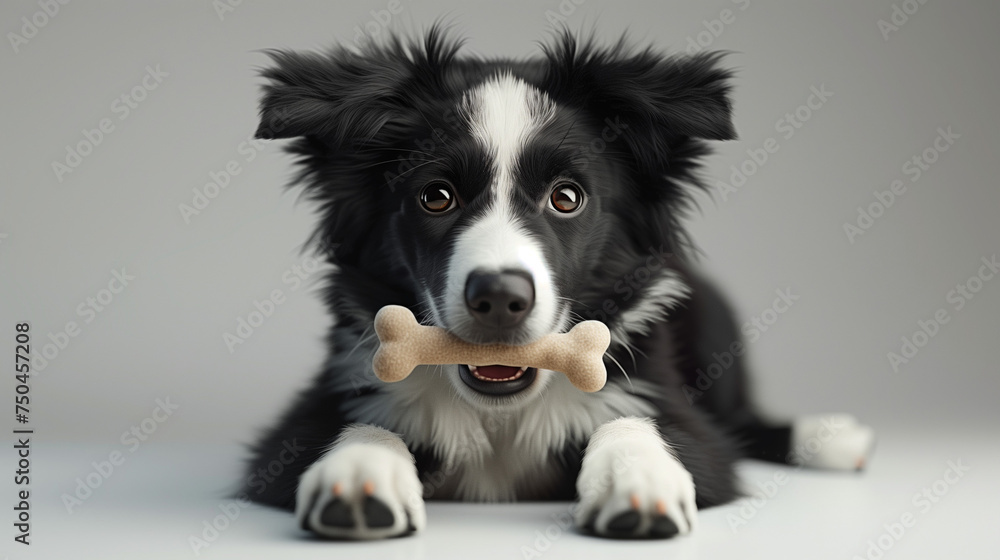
(504, 200)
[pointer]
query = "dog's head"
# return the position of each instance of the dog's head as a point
(501, 199)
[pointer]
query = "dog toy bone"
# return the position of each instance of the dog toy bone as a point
(405, 344)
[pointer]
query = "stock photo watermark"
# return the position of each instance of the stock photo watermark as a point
(714, 28)
(230, 510)
(32, 24)
(899, 15)
(564, 521)
(958, 297)
(923, 502)
(131, 440)
(757, 500)
(752, 329)
(121, 107)
(225, 7)
(378, 26)
(221, 178)
(425, 149)
(787, 126)
(22, 478)
(293, 277)
(913, 169)
(613, 130)
(629, 284)
(88, 310)
(823, 435)
(562, 13)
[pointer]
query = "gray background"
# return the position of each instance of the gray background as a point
(163, 335)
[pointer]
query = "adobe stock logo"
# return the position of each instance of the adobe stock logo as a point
(31, 25)
(913, 168)
(900, 14)
(958, 297)
(89, 309)
(131, 440)
(566, 9)
(629, 284)
(220, 179)
(714, 28)
(121, 106)
(922, 501)
(379, 23)
(787, 126)
(294, 277)
(752, 331)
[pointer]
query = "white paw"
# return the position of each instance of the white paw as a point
(361, 491)
(831, 441)
(631, 486)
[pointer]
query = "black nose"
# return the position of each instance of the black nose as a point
(499, 299)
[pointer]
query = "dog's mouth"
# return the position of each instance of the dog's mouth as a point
(497, 380)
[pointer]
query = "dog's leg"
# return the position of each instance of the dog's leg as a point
(364, 487)
(820, 441)
(631, 484)
(830, 441)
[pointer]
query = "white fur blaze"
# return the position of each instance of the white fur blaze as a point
(503, 114)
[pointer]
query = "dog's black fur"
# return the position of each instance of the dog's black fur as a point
(357, 119)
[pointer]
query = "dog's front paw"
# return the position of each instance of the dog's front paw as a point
(634, 488)
(361, 491)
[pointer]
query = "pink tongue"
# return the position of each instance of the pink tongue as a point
(497, 372)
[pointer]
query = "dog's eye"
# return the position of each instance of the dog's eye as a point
(566, 197)
(437, 197)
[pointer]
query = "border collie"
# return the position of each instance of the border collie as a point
(503, 200)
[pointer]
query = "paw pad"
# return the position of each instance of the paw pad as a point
(377, 514)
(337, 513)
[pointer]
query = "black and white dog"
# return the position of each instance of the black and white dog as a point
(504, 200)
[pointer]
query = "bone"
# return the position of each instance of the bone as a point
(405, 344)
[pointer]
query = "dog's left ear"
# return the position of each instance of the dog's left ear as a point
(662, 100)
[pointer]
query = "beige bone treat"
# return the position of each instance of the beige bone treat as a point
(405, 344)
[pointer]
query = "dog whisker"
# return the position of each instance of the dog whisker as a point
(365, 337)
(608, 354)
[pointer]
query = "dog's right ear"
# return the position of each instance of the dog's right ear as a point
(338, 102)
(339, 97)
